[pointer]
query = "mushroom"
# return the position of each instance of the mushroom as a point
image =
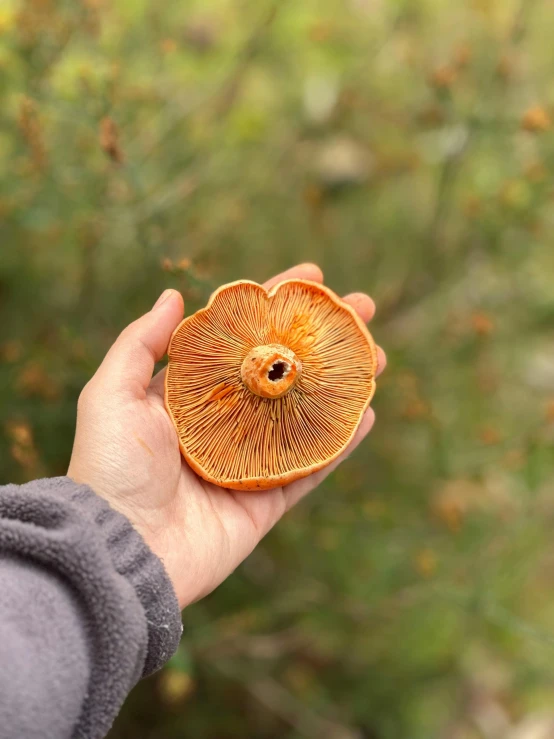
(266, 387)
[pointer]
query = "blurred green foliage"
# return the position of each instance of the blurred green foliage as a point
(407, 147)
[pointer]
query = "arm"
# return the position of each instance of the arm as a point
(127, 450)
(86, 609)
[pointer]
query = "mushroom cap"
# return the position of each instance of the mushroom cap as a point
(234, 429)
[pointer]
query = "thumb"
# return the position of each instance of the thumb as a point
(129, 364)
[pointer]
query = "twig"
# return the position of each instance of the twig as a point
(221, 97)
(415, 290)
(290, 710)
(249, 51)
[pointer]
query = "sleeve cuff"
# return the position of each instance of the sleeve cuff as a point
(80, 524)
(133, 559)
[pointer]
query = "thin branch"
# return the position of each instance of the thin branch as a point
(289, 709)
(250, 50)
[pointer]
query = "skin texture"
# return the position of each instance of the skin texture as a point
(127, 450)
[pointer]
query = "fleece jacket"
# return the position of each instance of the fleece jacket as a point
(86, 610)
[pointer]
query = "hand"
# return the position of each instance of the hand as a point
(126, 450)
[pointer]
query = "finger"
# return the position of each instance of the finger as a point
(158, 382)
(362, 304)
(365, 308)
(381, 360)
(306, 271)
(297, 490)
(129, 364)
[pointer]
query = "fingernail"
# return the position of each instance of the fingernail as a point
(161, 300)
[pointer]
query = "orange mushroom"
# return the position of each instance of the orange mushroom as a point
(265, 387)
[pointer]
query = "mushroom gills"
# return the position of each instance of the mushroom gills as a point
(267, 386)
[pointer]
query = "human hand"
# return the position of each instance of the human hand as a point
(126, 449)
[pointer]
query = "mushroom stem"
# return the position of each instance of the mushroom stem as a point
(270, 370)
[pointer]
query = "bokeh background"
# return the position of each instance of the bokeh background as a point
(407, 147)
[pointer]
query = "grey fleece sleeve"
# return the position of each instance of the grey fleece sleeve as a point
(86, 609)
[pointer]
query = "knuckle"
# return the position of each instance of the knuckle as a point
(85, 396)
(131, 330)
